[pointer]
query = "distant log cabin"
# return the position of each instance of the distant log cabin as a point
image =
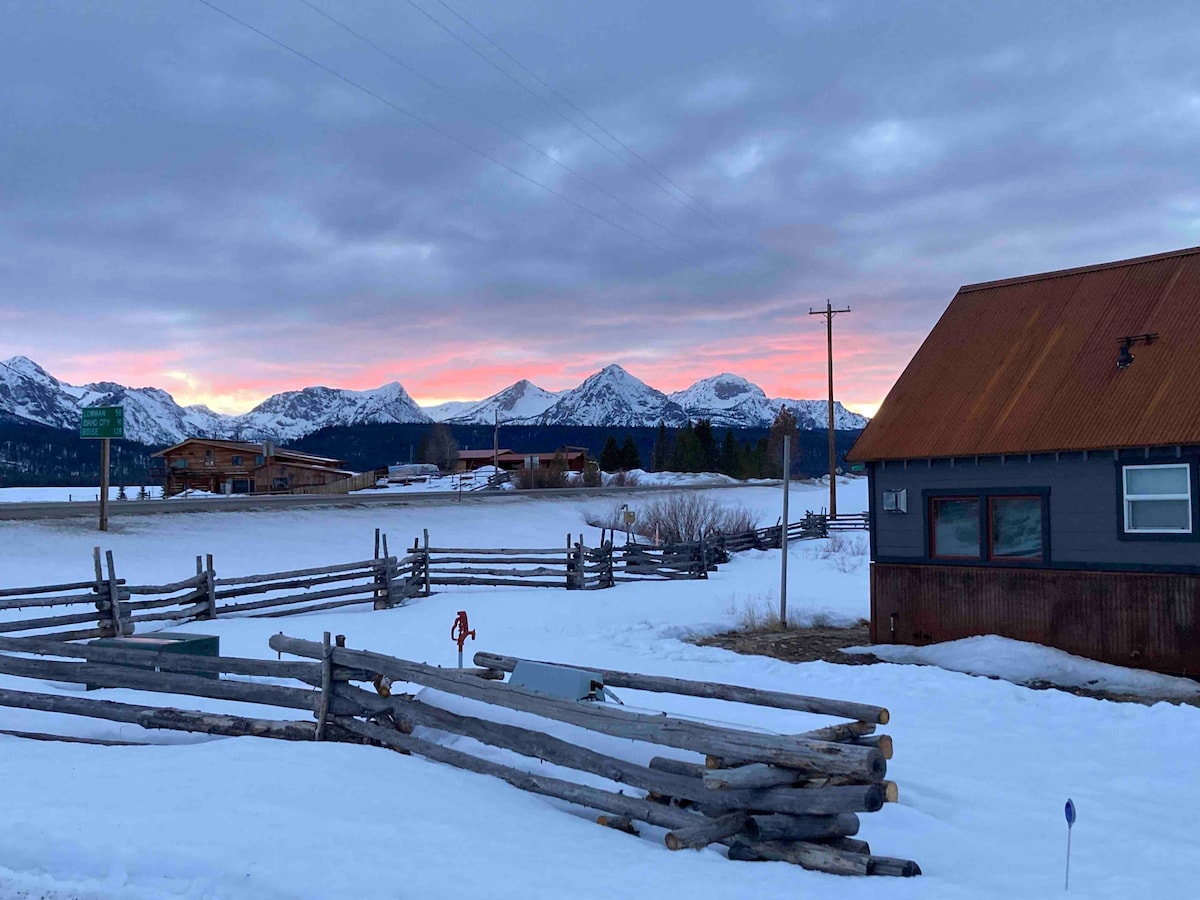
(239, 467)
(573, 459)
(1035, 471)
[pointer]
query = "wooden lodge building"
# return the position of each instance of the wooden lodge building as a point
(238, 467)
(575, 459)
(1034, 471)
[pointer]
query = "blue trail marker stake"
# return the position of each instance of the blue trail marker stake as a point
(1070, 813)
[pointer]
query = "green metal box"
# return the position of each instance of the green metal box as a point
(152, 645)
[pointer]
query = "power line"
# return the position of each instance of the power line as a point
(569, 103)
(491, 62)
(421, 121)
(490, 120)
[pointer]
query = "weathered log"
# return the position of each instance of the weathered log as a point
(581, 795)
(49, 588)
(850, 845)
(492, 561)
(69, 739)
(617, 823)
(465, 581)
(326, 686)
(812, 756)
(778, 827)
(678, 766)
(35, 602)
(816, 857)
(882, 742)
(154, 717)
(175, 586)
(479, 551)
(733, 693)
(710, 831)
(309, 673)
(292, 599)
(368, 564)
(845, 731)
(662, 784)
(190, 612)
(293, 584)
(303, 609)
(537, 572)
(900, 868)
(754, 775)
(52, 621)
(158, 682)
(180, 600)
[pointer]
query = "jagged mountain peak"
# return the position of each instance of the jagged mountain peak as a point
(611, 397)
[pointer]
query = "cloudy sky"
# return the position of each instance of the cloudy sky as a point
(666, 185)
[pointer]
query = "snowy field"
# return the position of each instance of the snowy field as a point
(984, 766)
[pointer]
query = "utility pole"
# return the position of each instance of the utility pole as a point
(496, 440)
(783, 534)
(829, 312)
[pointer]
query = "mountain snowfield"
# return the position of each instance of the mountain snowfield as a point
(610, 398)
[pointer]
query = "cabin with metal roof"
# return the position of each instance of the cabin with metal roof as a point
(240, 467)
(1035, 471)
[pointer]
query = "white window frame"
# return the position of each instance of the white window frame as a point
(1128, 498)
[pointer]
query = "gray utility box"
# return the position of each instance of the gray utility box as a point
(557, 681)
(152, 646)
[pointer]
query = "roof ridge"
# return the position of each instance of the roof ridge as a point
(1079, 270)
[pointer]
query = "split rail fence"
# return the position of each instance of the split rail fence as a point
(796, 798)
(108, 605)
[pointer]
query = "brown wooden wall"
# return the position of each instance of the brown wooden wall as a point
(1150, 621)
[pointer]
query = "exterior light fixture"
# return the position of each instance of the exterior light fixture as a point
(1124, 357)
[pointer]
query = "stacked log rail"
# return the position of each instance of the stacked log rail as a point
(796, 798)
(162, 673)
(641, 562)
(573, 566)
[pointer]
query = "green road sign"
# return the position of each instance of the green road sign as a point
(102, 422)
(856, 467)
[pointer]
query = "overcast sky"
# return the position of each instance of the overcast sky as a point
(186, 204)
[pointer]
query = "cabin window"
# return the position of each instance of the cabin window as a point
(954, 527)
(279, 484)
(1158, 499)
(259, 460)
(1015, 528)
(235, 460)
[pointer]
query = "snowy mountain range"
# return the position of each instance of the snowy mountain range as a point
(610, 398)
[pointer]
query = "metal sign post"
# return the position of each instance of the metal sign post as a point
(1070, 813)
(102, 423)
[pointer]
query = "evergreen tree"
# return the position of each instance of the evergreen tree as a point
(610, 456)
(631, 457)
(688, 455)
(143, 494)
(708, 445)
(121, 495)
(664, 444)
(784, 424)
(730, 461)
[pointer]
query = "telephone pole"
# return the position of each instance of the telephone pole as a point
(829, 312)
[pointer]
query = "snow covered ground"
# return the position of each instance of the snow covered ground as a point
(1023, 663)
(70, 494)
(984, 766)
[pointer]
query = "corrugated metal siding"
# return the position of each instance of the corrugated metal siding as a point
(1029, 366)
(1149, 621)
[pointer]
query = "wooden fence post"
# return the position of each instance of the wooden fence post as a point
(100, 588)
(114, 594)
(426, 561)
(210, 586)
(326, 686)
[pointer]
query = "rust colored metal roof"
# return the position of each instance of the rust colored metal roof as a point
(1028, 365)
